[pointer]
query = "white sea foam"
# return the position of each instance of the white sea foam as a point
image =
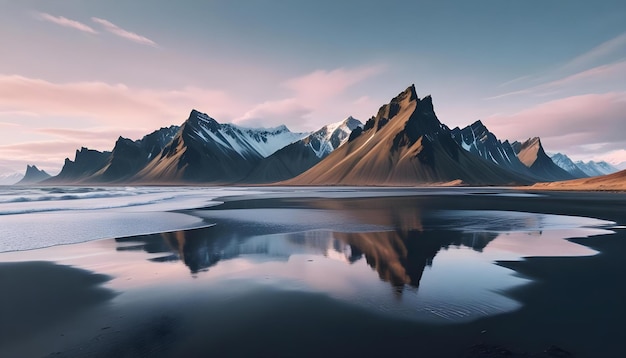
(36, 217)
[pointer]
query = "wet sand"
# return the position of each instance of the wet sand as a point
(35, 296)
(575, 303)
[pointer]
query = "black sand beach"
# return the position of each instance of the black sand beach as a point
(52, 309)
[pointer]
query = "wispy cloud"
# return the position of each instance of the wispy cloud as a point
(65, 22)
(116, 30)
(604, 73)
(515, 80)
(597, 53)
(8, 124)
(605, 58)
(608, 71)
(90, 135)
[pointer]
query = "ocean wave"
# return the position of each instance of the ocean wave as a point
(99, 207)
(61, 194)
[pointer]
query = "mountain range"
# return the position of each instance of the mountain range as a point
(403, 144)
(582, 169)
(10, 178)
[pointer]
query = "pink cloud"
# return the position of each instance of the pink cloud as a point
(66, 116)
(92, 135)
(116, 30)
(315, 99)
(8, 125)
(321, 84)
(584, 125)
(48, 155)
(109, 105)
(65, 22)
(615, 157)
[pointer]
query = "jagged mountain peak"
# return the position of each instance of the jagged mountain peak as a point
(405, 143)
(195, 114)
(33, 175)
(409, 93)
(197, 120)
(386, 112)
(32, 168)
(531, 142)
(478, 123)
(422, 123)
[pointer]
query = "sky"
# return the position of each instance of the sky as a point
(77, 73)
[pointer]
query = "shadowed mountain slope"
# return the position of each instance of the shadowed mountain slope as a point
(129, 157)
(85, 164)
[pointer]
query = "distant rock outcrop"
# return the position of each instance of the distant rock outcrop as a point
(33, 176)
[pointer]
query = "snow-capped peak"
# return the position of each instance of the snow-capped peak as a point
(332, 136)
(563, 161)
(593, 168)
(248, 142)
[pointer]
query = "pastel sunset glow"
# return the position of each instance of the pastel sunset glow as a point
(76, 73)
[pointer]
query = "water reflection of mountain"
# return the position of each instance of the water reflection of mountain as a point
(399, 256)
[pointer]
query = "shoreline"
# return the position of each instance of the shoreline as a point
(537, 325)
